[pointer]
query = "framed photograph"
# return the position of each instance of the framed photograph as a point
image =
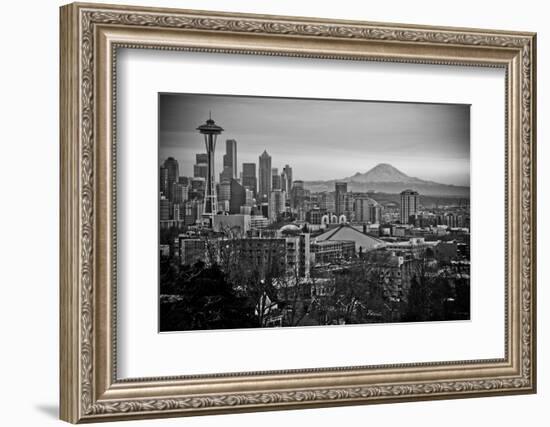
(266, 212)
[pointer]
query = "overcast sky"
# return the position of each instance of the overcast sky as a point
(322, 139)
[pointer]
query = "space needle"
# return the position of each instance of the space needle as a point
(210, 130)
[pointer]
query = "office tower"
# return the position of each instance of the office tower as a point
(367, 210)
(341, 188)
(180, 192)
(226, 174)
(224, 190)
(229, 171)
(327, 202)
(230, 158)
(238, 197)
(198, 187)
(177, 213)
(299, 198)
(164, 209)
(210, 131)
(298, 184)
(200, 169)
(277, 202)
(249, 177)
(192, 210)
(275, 179)
(163, 181)
(287, 173)
(201, 158)
(282, 178)
(248, 197)
(172, 175)
(265, 177)
(185, 180)
(409, 205)
(347, 205)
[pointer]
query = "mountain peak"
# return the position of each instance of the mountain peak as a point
(386, 178)
(383, 166)
(383, 172)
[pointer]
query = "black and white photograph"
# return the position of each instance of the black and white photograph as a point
(294, 212)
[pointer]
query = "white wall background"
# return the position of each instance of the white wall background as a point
(29, 170)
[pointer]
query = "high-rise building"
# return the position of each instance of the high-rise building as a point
(224, 190)
(249, 177)
(299, 199)
(276, 204)
(226, 174)
(275, 179)
(298, 184)
(230, 158)
(198, 186)
(314, 216)
(286, 177)
(201, 158)
(177, 213)
(210, 131)
(248, 197)
(265, 177)
(163, 181)
(164, 209)
(200, 168)
(282, 179)
(348, 203)
(326, 202)
(367, 210)
(238, 197)
(172, 175)
(192, 210)
(409, 205)
(185, 180)
(341, 188)
(180, 192)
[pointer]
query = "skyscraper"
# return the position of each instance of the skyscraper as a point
(276, 204)
(172, 174)
(230, 158)
(265, 176)
(299, 197)
(249, 177)
(341, 188)
(275, 179)
(180, 192)
(409, 205)
(326, 202)
(164, 209)
(238, 197)
(224, 190)
(287, 180)
(163, 181)
(367, 210)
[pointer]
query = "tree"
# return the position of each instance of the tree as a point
(427, 295)
(204, 299)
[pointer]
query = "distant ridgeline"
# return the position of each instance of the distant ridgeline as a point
(385, 178)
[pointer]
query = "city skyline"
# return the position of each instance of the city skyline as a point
(430, 142)
(268, 249)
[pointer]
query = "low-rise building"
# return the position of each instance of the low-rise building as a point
(363, 242)
(237, 223)
(332, 251)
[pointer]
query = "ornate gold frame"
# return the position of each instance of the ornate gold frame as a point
(90, 35)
